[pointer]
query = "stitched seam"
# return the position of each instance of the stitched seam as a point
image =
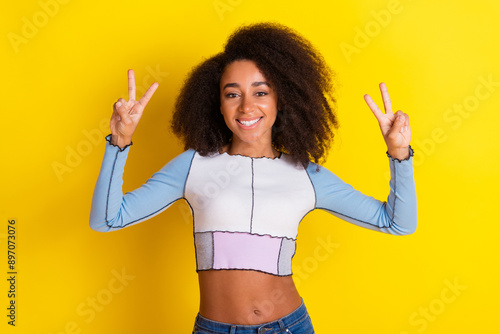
(294, 251)
(411, 151)
(274, 236)
(187, 176)
(253, 200)
(152, 213)
(213, 250)
(302, 318)
(246, 269)
(108, 139)
(279, 256)
(395, 194)
(192, 215)
(109, 189)
(361, 221)
(195, 251)
(192, 210)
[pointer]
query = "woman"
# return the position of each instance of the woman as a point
(255, 119)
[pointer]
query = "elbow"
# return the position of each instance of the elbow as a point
(413, 225)
(414, 229)
(99, 225)
(411, 230)
(404, 224)
(401, 227)
(408, 229)
(100, 221)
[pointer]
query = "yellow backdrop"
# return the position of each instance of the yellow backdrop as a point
(64, 63)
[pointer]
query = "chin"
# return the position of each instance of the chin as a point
(252, 137)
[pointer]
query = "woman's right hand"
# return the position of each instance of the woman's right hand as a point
(127, 114)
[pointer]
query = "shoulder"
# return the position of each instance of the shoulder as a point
(315, 169)
(181, 162)
(184, 157)
(321, 176)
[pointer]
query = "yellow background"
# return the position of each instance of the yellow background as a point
(63, 65)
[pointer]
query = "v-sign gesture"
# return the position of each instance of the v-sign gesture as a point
(127, 114)
(395, 127)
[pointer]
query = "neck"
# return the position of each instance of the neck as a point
(253, 150)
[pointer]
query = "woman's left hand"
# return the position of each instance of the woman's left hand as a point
(395, 127)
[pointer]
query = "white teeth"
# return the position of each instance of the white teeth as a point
(248, 123)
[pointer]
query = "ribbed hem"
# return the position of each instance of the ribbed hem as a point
(108, 139)
(401, 160)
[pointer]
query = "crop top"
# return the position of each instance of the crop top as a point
(246, 211)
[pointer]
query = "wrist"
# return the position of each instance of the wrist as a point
(400, 154)
(120, 141)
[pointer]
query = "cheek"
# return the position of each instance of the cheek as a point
(270, 108)
(228, 119)
(270, 103)
(228, 105)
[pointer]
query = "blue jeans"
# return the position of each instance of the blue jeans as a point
(297, 322)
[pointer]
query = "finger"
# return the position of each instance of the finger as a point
(407, 122)
(117, 105)
(114, 114)
(121, 110)
(128, 105)
(386, 98)
(373, 106)
(149, 93)
(122, 101)
(404, 117)
(131, 85)
(399, 124)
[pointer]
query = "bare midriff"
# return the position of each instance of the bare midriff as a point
(246, 297)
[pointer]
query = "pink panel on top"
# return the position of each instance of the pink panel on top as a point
(244, 250)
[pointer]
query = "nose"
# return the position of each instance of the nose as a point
(246, 104)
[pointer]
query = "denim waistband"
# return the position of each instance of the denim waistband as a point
(276, 326)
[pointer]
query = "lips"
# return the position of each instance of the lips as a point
(248, 123)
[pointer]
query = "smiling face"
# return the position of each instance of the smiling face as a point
(248, 104)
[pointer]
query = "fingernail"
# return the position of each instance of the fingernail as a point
(118, 104)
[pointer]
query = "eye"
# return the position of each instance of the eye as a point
(262, 93)
(231, 95)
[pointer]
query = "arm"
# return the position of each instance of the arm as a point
(111, 210)
(397, 215)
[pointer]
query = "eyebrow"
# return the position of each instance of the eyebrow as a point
(254, 84)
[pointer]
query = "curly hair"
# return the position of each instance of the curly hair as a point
(296, 71)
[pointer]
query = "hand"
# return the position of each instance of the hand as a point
(127, 114)
(395, 127)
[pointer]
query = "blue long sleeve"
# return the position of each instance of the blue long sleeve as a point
(397, 215)
(112, 210)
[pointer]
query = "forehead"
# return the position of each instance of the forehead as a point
(242, 71)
